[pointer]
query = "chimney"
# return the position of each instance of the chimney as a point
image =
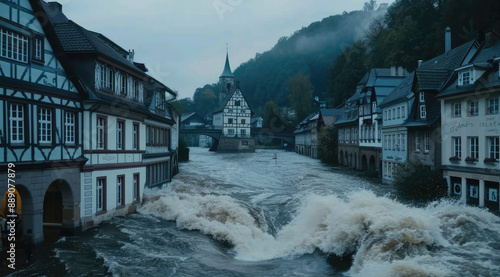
(420, 62)
(447, 40)
(490, 38)
(56, 5)
(131, 54)
(393, 71)
(400, 71)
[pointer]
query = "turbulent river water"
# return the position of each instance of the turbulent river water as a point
(251, 215)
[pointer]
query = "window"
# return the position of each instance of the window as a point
(385, 142)
(393, 137)
(120, 182)
(237, 103)
(417, 141)
(422, 97)
(457, 146)
(107, 78)
(243, 133)
(403, 112)
(399, 112)
(38, 49)
(423, 113)
(230, 121)
(135, 91)
(403, 142)
(243, 121)
(426, 142)
(398, 141)
(124, 85)
(494, 147)
(135, 136)
(136, 188)
(101, 194)
(102, 132)
(465, 80)
(393, 114)
(44, 125)
(474, 147)
(16, 119)
(457, 110)
(120, 138)
(493, 106)
(69, 128)
(385, 115)
(473, 108)
(230, 132)
(13, 46)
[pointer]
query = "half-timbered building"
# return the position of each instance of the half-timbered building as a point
(233, 116)
(40, 121)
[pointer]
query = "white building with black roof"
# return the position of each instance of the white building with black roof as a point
(470, 123)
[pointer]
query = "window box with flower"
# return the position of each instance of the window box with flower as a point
(490, 161)
(470, 160)
(455, 159)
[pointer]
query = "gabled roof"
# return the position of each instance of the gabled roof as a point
(193, 115)
(305, 125)
(449, 60)
(400, 92)
(227, 69)
(78, 40)
(330, 116)
(431, 79)
(223, 103)
(484, 59)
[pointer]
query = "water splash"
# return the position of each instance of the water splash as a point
(386, 237)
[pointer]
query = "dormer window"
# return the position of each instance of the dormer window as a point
(465, 77)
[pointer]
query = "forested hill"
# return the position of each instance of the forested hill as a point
(310, 50)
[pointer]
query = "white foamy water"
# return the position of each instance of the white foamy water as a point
(250, 215)
(310, 207)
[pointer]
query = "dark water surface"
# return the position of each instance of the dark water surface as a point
(250, 215)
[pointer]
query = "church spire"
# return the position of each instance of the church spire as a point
(227, 69)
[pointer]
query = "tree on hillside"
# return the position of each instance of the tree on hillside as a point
(270, 111)
(346, 72)
(184, 105)
(205, 100)
(300, 95)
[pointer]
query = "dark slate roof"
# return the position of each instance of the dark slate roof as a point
(227, 69)
(433, 107)
(400, 92)
(431, 79)
(449, 60)
(304, 125)
(482, 59)
(78, 40)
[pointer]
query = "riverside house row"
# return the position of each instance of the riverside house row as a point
(85, 126)
(445, 114)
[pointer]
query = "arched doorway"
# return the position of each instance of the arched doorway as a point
(364, 163)
(58, 210)
(372, 163)
(24, 209)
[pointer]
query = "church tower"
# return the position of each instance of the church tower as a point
(226, 81)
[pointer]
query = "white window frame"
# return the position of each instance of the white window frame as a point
(120, 135)
(473, 108)
(465, 80)
(69, 128)
(135, 136)
(100, 194)
(494, 147)
(423, 112)
(13, 46)
(457, 146)
(473, 147)
(403, 142)
(16, 128)
(44, 125)
(493, 106)
(120, 183)
(38, 48)
(403, 112)
(457, 109)
(101, 133)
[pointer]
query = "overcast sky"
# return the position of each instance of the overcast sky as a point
(183, 42)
